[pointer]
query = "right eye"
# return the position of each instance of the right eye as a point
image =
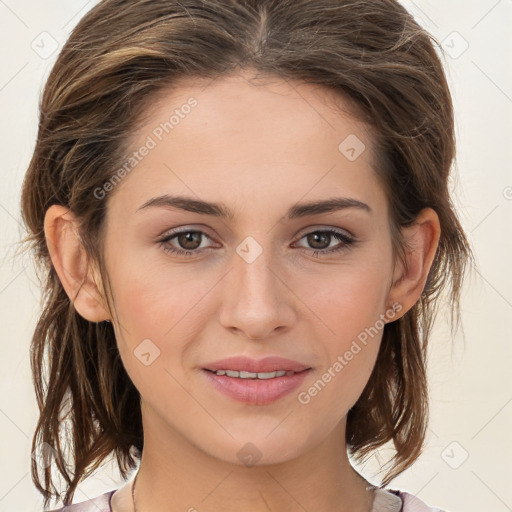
(188, 242)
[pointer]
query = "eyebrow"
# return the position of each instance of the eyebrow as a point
(222, 211)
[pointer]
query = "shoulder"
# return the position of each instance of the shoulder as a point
(99, 504)
(412, 503)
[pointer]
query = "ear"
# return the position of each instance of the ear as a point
(409, 279)
(69, 260)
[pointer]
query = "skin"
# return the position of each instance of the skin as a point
(259, 148)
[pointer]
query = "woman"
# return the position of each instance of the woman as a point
(243, 216)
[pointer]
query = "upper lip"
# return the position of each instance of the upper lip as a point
(267, 364)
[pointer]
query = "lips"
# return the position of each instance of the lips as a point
(266, 365)
(256, 381)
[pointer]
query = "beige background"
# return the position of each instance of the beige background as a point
(467, 463)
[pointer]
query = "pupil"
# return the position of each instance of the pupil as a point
(314, 238)
(187, 240)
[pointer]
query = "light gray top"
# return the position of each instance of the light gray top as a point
(386, 500)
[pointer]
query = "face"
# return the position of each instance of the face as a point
(268, 278)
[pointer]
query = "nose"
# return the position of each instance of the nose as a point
(256, 300)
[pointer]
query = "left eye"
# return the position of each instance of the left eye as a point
(190, 241)
(321, 237)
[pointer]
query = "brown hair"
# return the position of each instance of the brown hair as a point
(120, 55)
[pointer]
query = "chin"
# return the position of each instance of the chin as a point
(258, 450)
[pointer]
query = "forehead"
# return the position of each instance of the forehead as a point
(251, 137)
(242, 104)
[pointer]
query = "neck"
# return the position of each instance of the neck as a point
(176, 476)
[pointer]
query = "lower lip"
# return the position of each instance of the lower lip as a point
(256, 391)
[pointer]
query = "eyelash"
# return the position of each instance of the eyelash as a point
(342, 237)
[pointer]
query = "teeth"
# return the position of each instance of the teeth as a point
(250, 375)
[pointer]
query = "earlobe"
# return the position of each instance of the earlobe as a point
(70, 262)
(421, 239)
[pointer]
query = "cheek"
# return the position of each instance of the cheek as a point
(153, 299)
(349, 307)
(162, 313)
(347, 299)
